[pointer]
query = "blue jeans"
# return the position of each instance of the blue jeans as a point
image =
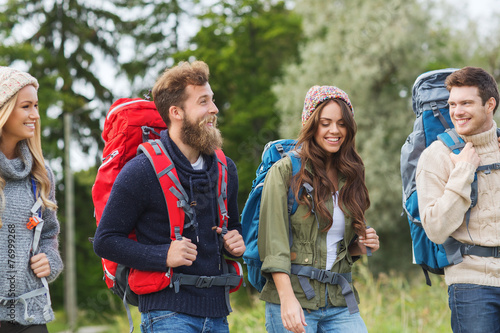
(474, 308)
(168, 321)
(327, 319)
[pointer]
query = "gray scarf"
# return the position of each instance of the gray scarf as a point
(19, 167)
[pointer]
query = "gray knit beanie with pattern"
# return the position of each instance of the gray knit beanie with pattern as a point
(11, 81)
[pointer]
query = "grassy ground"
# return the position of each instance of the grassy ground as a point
(389, 303)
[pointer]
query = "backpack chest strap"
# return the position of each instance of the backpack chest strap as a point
(488, 168)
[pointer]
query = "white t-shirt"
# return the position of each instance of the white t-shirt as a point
(335, 234)
(199, 164)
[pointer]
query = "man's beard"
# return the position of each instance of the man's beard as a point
(200, 136)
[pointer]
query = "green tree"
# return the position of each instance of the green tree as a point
(245, 43)
(55, 41)
(67, 45)
(373, 50)
(157, 35)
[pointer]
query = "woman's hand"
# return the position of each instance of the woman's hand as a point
(371, 240)
(40, 265)
(292, 314)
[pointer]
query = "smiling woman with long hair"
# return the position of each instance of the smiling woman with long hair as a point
(328, 229)
(29, 256)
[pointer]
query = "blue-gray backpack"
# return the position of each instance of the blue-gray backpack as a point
(273, 152)
(430, 104)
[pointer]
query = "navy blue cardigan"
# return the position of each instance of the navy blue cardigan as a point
(137, 202)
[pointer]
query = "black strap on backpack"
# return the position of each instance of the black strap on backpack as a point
(304, 273)
(224, 280)
(454, 249)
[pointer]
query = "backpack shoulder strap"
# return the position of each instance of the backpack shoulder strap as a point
(451, 139)
(296, 162)
(296, 165)
(35, 222)
(455, 143)
(222, 190)
(292, 203)
(176, 198)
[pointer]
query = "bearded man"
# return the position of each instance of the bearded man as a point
(185, 101)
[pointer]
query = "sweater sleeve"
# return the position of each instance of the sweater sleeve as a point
(49, 243)
(443, 191)
(131, 196)
(273, 241)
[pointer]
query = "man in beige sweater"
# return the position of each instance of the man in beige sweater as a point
(444, 194)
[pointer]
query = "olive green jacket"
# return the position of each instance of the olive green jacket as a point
(309, 243)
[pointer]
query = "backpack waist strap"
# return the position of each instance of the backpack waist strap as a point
(230, 279)
(481, 251)
(322, 275)
(22, 299)
(455, 250)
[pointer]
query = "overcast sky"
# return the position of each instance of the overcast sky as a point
(482, 11)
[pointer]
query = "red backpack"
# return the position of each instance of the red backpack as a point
(132, 126)
(129, 123)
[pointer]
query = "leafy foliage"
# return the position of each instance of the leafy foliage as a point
(67, 44)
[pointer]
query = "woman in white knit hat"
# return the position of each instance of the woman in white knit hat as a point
(309, 283)
(29, 255)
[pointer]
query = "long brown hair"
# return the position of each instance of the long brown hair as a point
(353, 196)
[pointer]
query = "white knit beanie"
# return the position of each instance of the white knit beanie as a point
(11, 81)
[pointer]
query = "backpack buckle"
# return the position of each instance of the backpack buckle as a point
(4, 301)
(325, 276)
(204, 282)
(33, 222)
(319, 275)
(496, 252)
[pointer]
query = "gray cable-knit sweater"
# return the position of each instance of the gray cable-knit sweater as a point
(16, 276)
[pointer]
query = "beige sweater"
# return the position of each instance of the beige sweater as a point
(444, 198)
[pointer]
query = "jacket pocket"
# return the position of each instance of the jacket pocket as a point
(302, 253)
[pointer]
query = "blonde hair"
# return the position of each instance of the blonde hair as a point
(38, 170)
